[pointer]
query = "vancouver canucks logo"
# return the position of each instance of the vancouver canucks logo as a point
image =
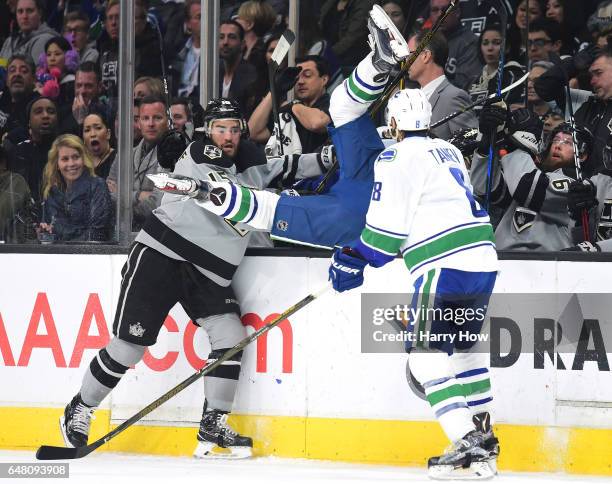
(136, 330)
(212, 152)
(523, 218)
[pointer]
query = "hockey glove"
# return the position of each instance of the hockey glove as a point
(326, 158)
(493, 117)
(580, 196)
(524, 130)
(285, 79)
(170, 148)
(584, 58)
(584, 247)
(346, 269)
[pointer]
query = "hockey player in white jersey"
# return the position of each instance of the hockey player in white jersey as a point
(422, 207)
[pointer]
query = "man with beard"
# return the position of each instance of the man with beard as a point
(19, 92)
(235, 75)
(29, 157)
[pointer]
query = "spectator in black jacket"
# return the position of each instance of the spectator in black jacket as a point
(29, 157)
(147, 60)
(344, 25)
(235, 75)
(19, 92)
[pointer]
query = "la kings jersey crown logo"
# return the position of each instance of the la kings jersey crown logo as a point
(212, 151)
(523, 218)
(137, 330)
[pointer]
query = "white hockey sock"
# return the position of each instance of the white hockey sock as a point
(433, 370)
(352, 98)
(472, 373)
(254, 208)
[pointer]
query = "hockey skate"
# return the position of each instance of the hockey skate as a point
(181, 185)
(465, 459)
(386, 41)
(75, 422)
(482, 421)
(217, 440)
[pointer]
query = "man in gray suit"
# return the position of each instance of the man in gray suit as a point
(428, 71)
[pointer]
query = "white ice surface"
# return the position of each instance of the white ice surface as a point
(107, 468)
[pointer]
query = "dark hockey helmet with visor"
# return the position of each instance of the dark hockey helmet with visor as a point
(223, 108)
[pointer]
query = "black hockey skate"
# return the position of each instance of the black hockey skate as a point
(465, 459)
(75, 422)
(482, 421)
(386, 41)
(217, 440)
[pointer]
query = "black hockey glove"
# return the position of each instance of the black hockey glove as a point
(580, 196)
(170, 148)
(584, 247)
(524, 130)
(285, 79)
(583, 59)
(492, 119)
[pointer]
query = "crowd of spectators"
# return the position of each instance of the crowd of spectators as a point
(59, 91)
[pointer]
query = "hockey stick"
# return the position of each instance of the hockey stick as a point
(471, 106)
(49, 452)
(278, 56)
(570, 109)
(382, 100)
(503, 16)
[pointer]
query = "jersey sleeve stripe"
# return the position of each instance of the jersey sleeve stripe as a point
(255, 207)
(387, 232)
(245, 205)
(360, 93)
(367, 86)
(446, 231)
(232, 203)
(381, 242)
(449, 243)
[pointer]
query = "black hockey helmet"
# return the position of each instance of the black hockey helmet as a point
(584, 138)
(223, 108)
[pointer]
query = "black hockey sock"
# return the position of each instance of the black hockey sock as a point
(220, 385)
(107, 368)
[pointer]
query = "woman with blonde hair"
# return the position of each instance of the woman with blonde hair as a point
(76, 203)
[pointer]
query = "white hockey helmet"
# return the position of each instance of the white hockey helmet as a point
(411, 110)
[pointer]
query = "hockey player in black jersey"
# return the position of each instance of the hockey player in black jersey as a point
(186, 255)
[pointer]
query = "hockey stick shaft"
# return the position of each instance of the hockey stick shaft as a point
(382, 100)
(503, 14)
(48, 452)
(570, 110)
(471, 106)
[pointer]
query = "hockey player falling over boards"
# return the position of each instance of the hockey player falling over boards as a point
(336, 217)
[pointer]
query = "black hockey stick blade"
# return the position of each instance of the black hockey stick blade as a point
(50, 452)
